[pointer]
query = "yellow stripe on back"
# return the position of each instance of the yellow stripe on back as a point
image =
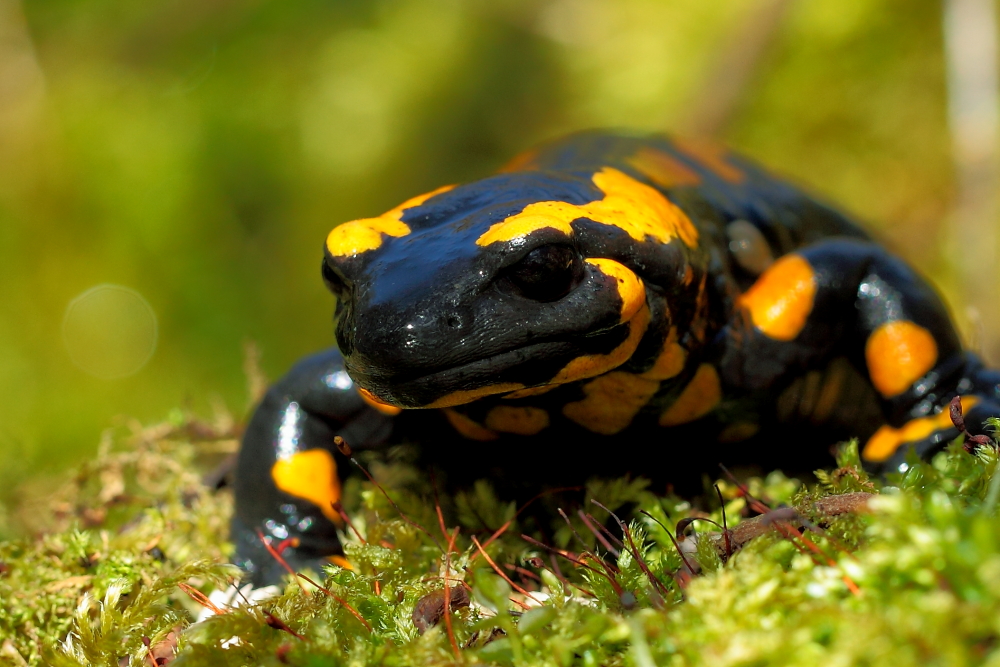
(713, 157)
(638, 209)
(663, 169)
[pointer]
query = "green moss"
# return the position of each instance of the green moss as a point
(914, 581)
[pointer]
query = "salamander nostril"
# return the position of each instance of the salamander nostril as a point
(454, 322)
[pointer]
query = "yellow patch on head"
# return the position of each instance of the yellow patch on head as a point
(611, 402)
(384, 408)
(671, 360)
(663, 169)
(699, 397)
(885, 441)
(358, 236)
(521, 420)
(898, 354)
(469, 428)
(590, 365)
(630, 287)
(638, 209)
(311, 475)
(713, 157)
(780, 302)
(522, 224)
(469, 395)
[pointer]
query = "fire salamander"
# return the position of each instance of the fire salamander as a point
(606, 304)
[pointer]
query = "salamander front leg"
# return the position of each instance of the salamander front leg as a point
(845, 297)
(927, 433)
(288, 472)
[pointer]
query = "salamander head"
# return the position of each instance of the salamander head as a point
(512, 282)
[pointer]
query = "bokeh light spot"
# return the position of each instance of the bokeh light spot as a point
(110, 331)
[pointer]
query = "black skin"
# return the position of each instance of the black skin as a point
(432, 312)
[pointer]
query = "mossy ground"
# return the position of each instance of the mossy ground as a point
(112, 573)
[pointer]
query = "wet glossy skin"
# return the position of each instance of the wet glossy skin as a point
(607, 304)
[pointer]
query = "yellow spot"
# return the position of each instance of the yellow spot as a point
(887, 439)
(517, 419)
(898, 354)
(662, 169)
(590, 365)
(312, 475)
(671, 360)
(780, 301)
(341, 561)
(699, 397)
(357, 236)
(639, 209)
(469, 428)
(531, 391)
(384, 408)
(738, 432)
(713, 157)
(469, 395)
(630, 287)
(612, 402)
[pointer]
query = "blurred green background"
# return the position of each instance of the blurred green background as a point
(198, 151)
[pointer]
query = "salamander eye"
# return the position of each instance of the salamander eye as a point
(546, 273)
(334, 281)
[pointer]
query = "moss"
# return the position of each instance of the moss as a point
(129, 542)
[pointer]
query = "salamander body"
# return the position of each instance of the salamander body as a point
(606, 304)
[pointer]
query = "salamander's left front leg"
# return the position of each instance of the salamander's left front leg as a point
(287, 475)
(844, 297)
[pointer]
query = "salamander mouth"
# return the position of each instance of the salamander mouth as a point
(505, 368)
(530, 365)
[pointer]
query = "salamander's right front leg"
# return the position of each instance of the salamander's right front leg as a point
(287, 473)
(845, 297)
